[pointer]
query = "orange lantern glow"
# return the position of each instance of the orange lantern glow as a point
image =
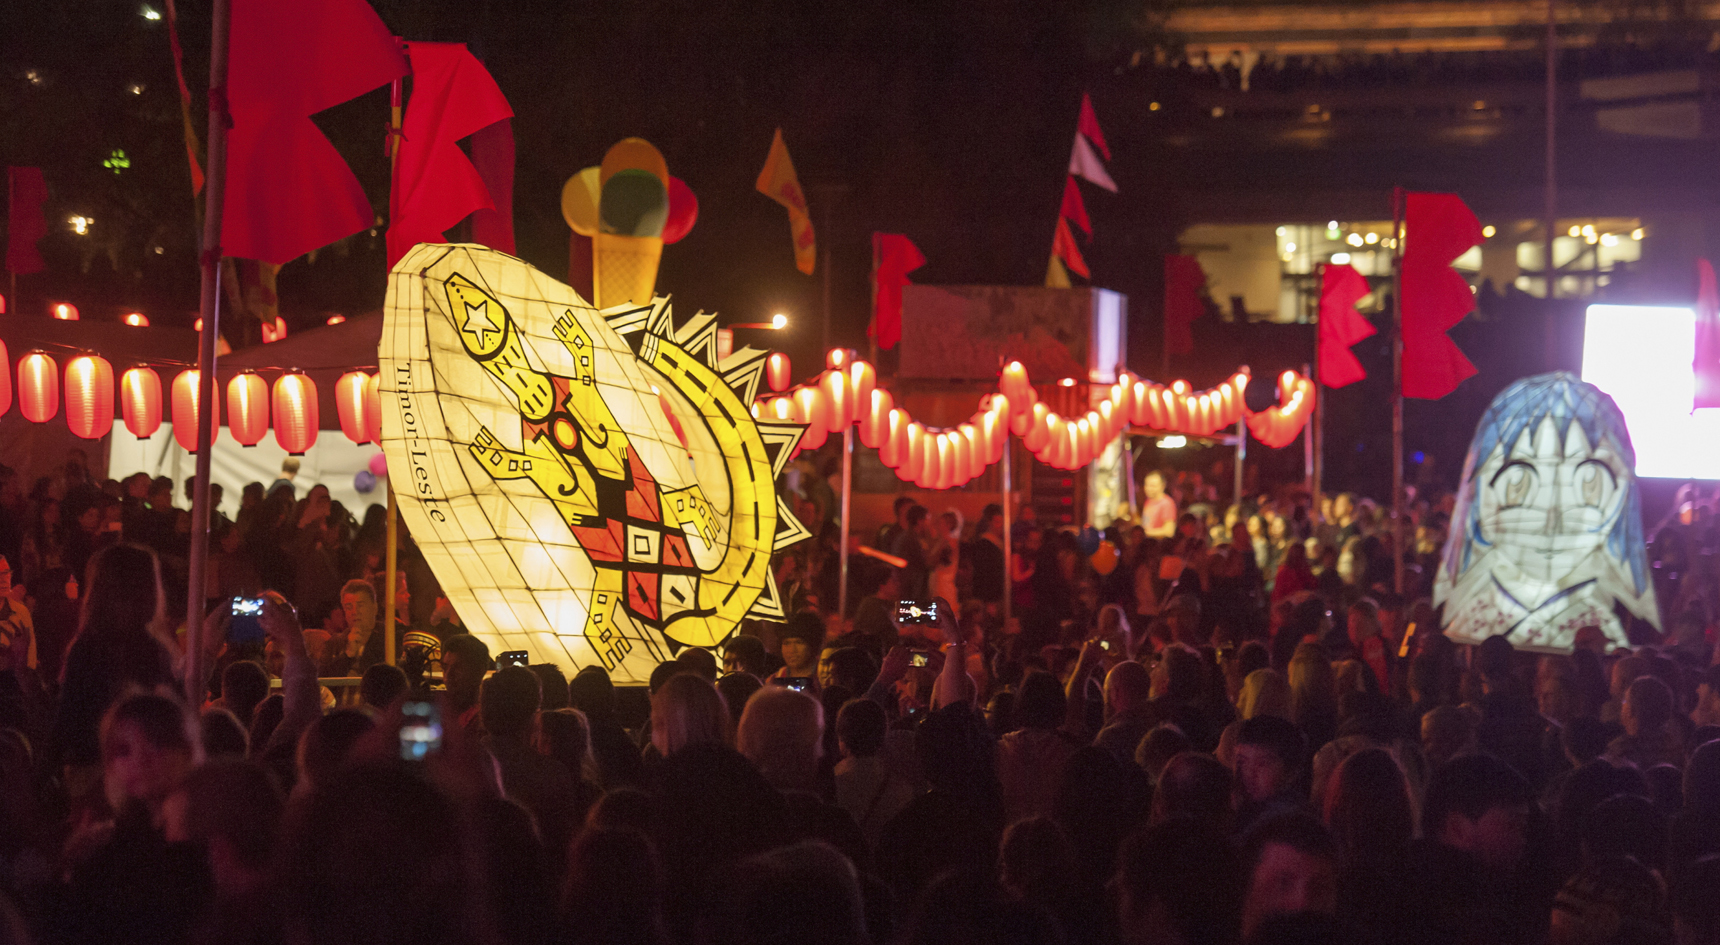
(136, 320)
(862, 379)
(248, 408)
(5, 379)
(373, 408)
(970, 461)
(140, 401)
(89, 396)
(186, 403)
(275, 330)
(916, 453)
(889, 438)
(336, 320)
(810, 408)
(350, 403)
(944, 455)
(778, 371)
(65, 311)
(38, 387)
(876, 416)
(838, 399)
(295, 410)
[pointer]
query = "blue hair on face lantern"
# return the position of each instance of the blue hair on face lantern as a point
(1546, 534)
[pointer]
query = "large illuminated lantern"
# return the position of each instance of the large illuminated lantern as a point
(535, 461)
(1547, 532)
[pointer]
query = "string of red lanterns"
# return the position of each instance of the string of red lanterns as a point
(846, 393)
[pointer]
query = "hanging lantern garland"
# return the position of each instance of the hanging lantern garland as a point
(295, 413)
(89, 396)
(248, 408)
(351, 402)
(185, 410)
(942, 459)
(140, 400)
(38, 387)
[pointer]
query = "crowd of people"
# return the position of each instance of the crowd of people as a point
(1214, 725)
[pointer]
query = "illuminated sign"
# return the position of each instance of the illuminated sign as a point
(533, 444)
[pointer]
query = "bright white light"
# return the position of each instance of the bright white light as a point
(779, 321)
(1354, 239)
(1289, 247)
(1172, 442)
(1489, 230)
(1332, 225)
(1371, 238)
(1066, 382)
(1609, 239)
(80, 225)
(1642, 356)
(1283, 230)
(1341, 259)
(150, 13)
(1575, 231)
(1636, 234)
(1589, 230)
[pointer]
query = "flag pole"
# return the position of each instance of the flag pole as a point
(391, 550)
(847, 495)
(1313, 441)
(196, 684)
(1008, 515)
(1397, 391)
(1551, 209)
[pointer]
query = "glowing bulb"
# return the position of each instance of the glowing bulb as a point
(1609, 239)
(1589, 229)
(1575, 231)
(1341, 259)
(1489, 230)
(1636, 234)
(1289, 247)
(779, 321)
(336, 319)
(1332, 225)
(66, 312)
(1371, 238)
(150, 13)
(137, 320)
(1172, 442)
(1153, 106)
(1354, 239)
(1283, 230)
(1066, 382)
(80, 224)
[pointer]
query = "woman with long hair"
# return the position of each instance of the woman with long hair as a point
(122, 641)
(687, 710)
(1313, 694)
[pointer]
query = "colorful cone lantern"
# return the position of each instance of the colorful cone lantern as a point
(248, 408)
(373, 408)
(140, 401)
(349, 401)
(295, 409)
(38, 387)
(89, 396)
(778, 371)
(186, 398)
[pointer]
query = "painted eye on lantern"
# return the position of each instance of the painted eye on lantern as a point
(1515, 483)
(1595, 483)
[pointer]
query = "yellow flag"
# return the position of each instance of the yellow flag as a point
(777, 181)
(1056, 277)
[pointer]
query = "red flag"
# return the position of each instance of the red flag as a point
(1064, 248)
(1341, 326)
(493, 156)
(1183, 279)
(25, 222)
(288, 191)
(191, 146)
(435, 184)
(1438, 228)
(1707, 338)
(1074, 208)
(1088, 124)
(894, 256)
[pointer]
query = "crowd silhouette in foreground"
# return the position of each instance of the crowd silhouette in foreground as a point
(1230, 733)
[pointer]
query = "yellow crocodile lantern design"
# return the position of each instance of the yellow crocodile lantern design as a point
(637, 438)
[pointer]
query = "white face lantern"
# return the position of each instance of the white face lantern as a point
(1546, 535)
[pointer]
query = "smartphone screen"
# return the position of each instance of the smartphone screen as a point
(421, 733)
(513, 658)
(247, 624)
(920, 658)
(797, 683)
(913, 611)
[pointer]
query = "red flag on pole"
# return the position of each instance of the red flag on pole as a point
(25, 222)
(435, 184)
(1074, 208)
(288, 190)
(1341, 326)
(894, 256)
(1064, 248)
(1707, 338)
(1183, 280)
(1088, 124)
(1438, 228)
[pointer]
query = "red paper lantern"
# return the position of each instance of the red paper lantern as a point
(275, 330)
(38, 387)
(296, 417)
(862, 378)
(140, 401)
(5, 378)
(89, 396)
(811, 409)
(839, 401)
(65, 311)
(248, 408)
(137, 320)
(187, 397)
(373, 408)
(914, 457)
(351, 403)
(893, 443)
(874, 421)
(778, 371)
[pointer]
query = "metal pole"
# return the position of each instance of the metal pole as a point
(1312, 443)
(1552, 205)
(1008, 517)
(847, 496)
(209, 307)
(1241, 455)
(390, 590)
(1397, 390)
